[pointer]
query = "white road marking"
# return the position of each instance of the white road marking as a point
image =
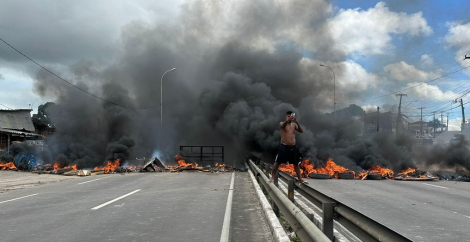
(92, 180)
(114, 200)
(228, 212)
(435, 185)
(19, 198)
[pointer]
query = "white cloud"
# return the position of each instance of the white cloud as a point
(427, 59)
(458, 37)
(401, 71)
(369, 108)
(369, 32)
(429, 92)
(355, 76)
(349, 74)
(454, 124)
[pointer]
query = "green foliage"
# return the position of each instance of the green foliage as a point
(436, 123)
(296, 239)
(43, 114)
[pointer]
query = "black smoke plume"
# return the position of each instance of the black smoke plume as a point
(237, 74)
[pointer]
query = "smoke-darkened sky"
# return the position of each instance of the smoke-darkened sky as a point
(240, 66)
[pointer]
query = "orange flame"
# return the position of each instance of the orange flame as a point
(306, 168)
(56, 166)
(74, 167)
(289, 168)
(385, 172)
(411, 170)
(110, 167)
(9, 165)
(182, 162)
(331, 168)
(408, 171)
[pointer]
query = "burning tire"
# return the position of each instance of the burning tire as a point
(346, 175)
(319, 175)
(374, 176)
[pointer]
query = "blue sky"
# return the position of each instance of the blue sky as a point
(387, 45)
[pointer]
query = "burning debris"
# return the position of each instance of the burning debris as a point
(154, 165)
(184, 166)
(8, 166)
(415, 175)
(110, 167)
(330, 170)
(375, 173)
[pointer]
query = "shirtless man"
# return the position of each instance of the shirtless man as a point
(288, 151)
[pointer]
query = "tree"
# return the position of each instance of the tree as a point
(43, 114)
(436, 123)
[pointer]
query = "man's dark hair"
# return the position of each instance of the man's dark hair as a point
(289, 112)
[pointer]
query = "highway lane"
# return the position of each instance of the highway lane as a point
(150, 207)
(421, 211)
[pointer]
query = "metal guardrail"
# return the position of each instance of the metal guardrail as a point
(363, 227)
(299, 222)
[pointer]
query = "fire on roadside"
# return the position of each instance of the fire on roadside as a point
(385, 172)
(7, 166)
(182, 163)
(57, 166)
(306, 168)
(110, 166)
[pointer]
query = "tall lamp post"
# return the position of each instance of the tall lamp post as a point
(334, 90)
(161, 97)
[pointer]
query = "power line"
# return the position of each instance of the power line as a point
(395, 92)
(44, 68)
(6, 106)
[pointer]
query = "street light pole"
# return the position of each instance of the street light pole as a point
(161, 97)
(334, 90)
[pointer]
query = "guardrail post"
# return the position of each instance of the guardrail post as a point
(328, 210)
(290, 189)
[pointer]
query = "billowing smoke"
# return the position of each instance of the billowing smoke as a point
(455, 156)
(240, 67)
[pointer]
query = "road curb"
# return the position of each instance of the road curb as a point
(279, 235)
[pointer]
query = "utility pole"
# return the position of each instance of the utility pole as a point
(434, 124)
(442, 120)
(398, 126)
(463, 115)
(378, 118)
(421, 130)
(447, 126)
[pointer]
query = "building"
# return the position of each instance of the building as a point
(16, 126)
(385, 121)
(415, 127)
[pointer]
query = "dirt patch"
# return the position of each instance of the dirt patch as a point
(12, 180)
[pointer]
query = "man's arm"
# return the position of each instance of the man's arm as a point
(298, 127)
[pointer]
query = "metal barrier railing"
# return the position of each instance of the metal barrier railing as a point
(299, 222)
(363, 227)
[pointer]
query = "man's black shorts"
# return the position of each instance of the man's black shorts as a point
(288, 154)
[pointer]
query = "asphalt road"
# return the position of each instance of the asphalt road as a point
(421, 211)
(131, 207)
(445, 137)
